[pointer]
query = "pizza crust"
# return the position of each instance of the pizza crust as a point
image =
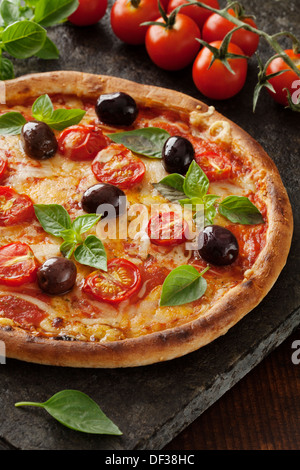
(227, 311)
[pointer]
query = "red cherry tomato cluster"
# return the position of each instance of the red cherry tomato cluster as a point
(175, 47)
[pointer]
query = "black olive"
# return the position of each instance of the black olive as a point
(57, 276)
(218, 245)
(105, 199)
(117, 109)
(38, 140)
(178, 153)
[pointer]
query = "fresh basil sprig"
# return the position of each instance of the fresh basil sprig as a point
(192, 191)
(148, 141)
(11, 123)
(55, 220)
(77, 411)
(183, 285)
(23, 32)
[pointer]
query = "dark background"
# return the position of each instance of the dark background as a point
(152, 405)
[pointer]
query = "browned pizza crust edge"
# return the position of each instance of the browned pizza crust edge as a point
(232, 307)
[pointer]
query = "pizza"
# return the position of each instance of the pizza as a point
(137, 224)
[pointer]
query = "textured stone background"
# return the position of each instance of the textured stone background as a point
(153, 404)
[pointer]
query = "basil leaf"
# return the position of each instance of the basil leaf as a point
(174, 180)
(67, 249)
(92, 253)
(148, 141)
(70, 236)
(77, 411)
(9, 11)
(209, 208)
(51, 12)
(11, 123)
(6, 69)
(62, 118)
(53, 218)
(173, 195)
(49, 51)
(183, 285)
(83, 223)
(240, 210)
(42, 108)
(23, 39)
(196, 183)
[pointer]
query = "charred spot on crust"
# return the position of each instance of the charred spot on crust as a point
(64, 338)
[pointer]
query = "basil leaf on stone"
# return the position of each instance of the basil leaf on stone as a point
(196, 183)
(148, 141)
(23, 39)
(49, 51)
(77, 411)
(240, 210)
(53, 218)
(42, 108)
(50, 12)
(92, 253)
(183, 285)
(6, 69)
(9, 11)
(62, 118)
(11, 123)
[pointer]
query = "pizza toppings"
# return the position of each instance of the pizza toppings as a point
(38, 140)
(82, 142)
(17, 265)
(21, 311)
(218, 245)
(14, 208)
(167, 229)
(178, 153)
(120, 282)
(3, 165)
(117, 109)
(123, 169)
(57, 276)
(105, 199)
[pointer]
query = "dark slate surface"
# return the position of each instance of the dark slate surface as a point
(153, 404)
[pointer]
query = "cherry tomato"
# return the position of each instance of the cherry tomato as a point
(285, 80)
(198, 14)
(82, 142)
(217, 82)
(88, 12)
(21, 311)
(17, 264)
(120, 282)
(216, 27)
(127, 16)
(14, 208)
(173, 48)
(216, 167)
(167, 229)
(123, 169)
(3, 163)
(164, 4)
